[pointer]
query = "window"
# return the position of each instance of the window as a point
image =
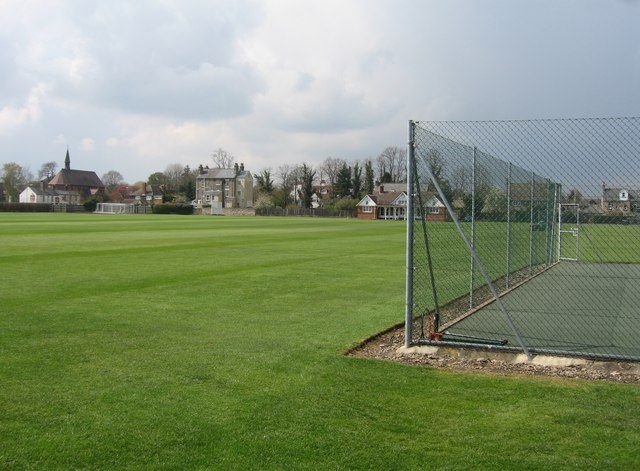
(433, 210)
(367, 209)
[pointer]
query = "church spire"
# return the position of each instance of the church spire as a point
(67, 161)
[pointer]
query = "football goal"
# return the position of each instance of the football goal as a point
(111, 208)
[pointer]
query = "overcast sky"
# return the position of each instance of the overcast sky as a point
(136, 85)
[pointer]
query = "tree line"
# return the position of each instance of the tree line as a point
(288, 185)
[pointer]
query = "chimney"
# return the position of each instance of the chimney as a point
(381, 188)
(242, 167)
(43, 185)
(235, 167)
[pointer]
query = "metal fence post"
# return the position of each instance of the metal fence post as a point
(410, 222)
(506, 280)
(547, 233)
(531, 227)
(473, 225)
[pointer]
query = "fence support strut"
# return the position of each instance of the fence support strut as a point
(475, 256)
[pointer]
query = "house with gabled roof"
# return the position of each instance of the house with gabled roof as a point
(225, 187)
(39, 194)
(392, 205)
(435, 209)
(150, 194)
(622, 200)
(388, 206)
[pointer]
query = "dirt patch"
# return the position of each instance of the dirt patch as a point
(389, 346)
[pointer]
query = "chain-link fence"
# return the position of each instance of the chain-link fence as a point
(525, 235)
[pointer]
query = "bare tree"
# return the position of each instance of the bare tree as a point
(393, 160)
(284, 175)
(331, 168)
(399, 171)
(436, 164)
(111, 179)
(222, 159)
(173, 176)
(48, 170)
(461, 179)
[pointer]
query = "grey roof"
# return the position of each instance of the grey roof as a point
(613, 194)
(77, 178)
(39, 191)
(223, 173)
(391, 187)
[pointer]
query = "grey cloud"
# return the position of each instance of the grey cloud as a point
(339, 113)
(177, 61)
(208, 92)
(304, 82)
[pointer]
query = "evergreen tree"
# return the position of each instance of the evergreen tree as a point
(343, 182)
(307, 185)
(264, 181)
(356, 181)
(368, 177)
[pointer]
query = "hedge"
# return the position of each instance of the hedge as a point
(172, 208)
(25, 207)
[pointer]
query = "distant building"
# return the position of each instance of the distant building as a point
(75, 186)
(225, 187)
(151, 194)
(622, 200)
(40, 194)
(389, 201)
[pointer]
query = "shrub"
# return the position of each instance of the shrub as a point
(90, 205)
(345, 204)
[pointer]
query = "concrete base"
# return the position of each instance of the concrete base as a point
(515, 358)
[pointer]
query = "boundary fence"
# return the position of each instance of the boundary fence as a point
(469, 281)
(323, 213)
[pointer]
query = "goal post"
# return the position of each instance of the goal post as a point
(568, 232)
(111, 208)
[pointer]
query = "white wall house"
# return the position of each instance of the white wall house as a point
(43, 194)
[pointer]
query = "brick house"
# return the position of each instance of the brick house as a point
(390, 203)
(435, 210)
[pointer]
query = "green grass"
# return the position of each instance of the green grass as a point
(175, 342)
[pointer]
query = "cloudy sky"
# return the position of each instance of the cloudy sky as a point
(134, 86)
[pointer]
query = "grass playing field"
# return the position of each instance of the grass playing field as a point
(177, 342)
